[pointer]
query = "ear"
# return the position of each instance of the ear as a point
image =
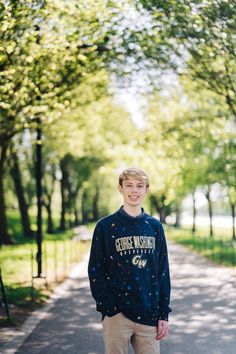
(147, 190)
(120, 189)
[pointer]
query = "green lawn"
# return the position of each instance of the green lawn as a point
(60, 253)
(220, 248)
(24, 290)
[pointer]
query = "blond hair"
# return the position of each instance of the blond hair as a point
(135, 173)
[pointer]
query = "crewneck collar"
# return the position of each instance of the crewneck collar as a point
(123, 212)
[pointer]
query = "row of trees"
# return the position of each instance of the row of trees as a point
(53, 68)
(57, 61)
(201, 130)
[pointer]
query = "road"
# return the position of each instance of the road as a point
(203, 318)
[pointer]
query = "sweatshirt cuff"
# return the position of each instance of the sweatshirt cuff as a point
(163, 318)
(164, 314)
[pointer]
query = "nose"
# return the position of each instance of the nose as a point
(134, 189)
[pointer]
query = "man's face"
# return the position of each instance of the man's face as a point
(133, 191)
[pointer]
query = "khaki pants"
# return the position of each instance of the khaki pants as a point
(118, 331)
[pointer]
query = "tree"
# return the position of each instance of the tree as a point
(226, 167)
(74, 171)
(187, 128)
(14, 41)
(201, 37)
(49, 179)
(19, 189)
(41, 57)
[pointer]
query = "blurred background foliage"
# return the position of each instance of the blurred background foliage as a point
(69, 63)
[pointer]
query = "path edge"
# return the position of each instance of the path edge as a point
(18, 336)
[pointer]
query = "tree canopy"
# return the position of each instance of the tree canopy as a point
(61, 64)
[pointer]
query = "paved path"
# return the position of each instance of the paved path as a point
(204, 303)
(203, 318)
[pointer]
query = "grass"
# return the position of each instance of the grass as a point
(220, 248)
(15, 229)
(19, 267)
(24, 291)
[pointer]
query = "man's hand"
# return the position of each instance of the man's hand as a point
(162, 329)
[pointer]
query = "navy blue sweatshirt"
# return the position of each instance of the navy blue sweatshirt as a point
(128, 268)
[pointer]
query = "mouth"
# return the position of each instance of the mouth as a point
(133, 197)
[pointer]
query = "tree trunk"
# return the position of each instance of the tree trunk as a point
(71, 219)
(23, 207)
(153, 206)
(84, 209)
(95, 205)
(194, 213)
(5, 238)
(233, 220)
(48, 206)
(63, 205)
(210, 216)
(76, 217)
(69, 206)
(177, 218)
(160, 207)
(162, 212)
(208, 196)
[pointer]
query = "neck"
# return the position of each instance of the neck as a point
(132, 211)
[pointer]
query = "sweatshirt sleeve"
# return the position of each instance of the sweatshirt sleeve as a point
(98, 277)
(164, 279)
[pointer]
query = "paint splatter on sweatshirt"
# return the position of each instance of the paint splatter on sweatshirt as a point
(128, 268)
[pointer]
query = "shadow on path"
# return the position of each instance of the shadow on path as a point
(204, 306)
(203, 318)
(72, 326)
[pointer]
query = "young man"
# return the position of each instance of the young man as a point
(129, 272)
